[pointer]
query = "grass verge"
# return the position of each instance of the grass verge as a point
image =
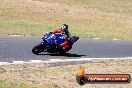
(86, 18)
(12, 84)
(43, 75)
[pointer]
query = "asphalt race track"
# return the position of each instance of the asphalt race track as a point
(18, 48)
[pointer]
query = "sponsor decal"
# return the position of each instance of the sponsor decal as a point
(83, 78)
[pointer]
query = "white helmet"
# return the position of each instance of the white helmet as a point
(64, 27)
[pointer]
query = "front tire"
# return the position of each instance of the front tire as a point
(37, 49)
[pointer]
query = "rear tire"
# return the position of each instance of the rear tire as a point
(37, 49)
(62, 52)
(68, 48)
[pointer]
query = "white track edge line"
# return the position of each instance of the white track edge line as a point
(64, 61)
(15, 35)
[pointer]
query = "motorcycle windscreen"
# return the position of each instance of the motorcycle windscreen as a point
(47, 35)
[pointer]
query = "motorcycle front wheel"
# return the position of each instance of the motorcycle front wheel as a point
(37, 49)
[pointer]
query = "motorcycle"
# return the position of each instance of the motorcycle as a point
(51, 43)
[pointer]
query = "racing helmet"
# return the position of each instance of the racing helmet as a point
(64, 27)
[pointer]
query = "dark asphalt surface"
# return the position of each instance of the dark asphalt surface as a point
(19, 49)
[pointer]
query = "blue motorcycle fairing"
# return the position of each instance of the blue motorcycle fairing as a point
(59, 38)
(50, 38)
(72, 41)
(50, 41)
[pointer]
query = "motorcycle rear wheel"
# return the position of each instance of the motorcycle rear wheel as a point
(62, 53)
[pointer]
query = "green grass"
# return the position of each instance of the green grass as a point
(87, 30)
(86, 18)
(18, 28)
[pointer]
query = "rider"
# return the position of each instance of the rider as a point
(64, 30)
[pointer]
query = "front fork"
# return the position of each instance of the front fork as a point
(43, 46)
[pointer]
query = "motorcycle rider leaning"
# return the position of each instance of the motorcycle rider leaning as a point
(64, 30)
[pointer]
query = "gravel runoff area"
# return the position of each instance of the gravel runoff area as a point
(61, 75)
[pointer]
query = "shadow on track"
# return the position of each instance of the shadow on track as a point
(65, 55)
